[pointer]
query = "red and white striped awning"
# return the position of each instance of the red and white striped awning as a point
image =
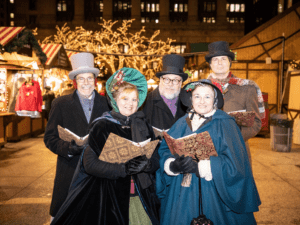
(51, 51)
(70, 53)
(8, 33)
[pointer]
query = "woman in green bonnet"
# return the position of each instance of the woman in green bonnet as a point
(112, 193)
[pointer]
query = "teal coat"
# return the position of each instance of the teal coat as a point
(230, 197)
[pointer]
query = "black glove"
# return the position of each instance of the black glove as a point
(136, 165)
(75, 149)
(184, 165)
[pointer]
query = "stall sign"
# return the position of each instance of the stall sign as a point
(62, 60)
(26, 50)
(3, 90)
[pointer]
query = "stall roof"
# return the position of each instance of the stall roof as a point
(70, 53)
(18, 60)
(8, 33)
(56, 51)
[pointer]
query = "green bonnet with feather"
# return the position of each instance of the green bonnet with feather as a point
(129, 75)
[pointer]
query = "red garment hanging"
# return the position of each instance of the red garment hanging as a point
(30, 97)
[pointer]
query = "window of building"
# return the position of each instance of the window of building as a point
(12, 1)
(12, 15)
(207, 11)
(93, 10)
(235, 11)
(179, 47)
(64, 10)
(32, 4)
(178, 10)
(280, 8)
(62, 6)
(149, 11)
(122, 9)
(12, 23)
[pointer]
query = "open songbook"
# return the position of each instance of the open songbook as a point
(200, 145)
(243, 118)
(120, 150)
(159, 132)
(68, 135)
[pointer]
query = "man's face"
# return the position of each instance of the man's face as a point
(85, 83)
(220, 66)
(170, 85)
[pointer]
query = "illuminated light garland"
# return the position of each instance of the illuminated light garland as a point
(131, 49)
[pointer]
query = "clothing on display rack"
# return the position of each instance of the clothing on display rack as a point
(29, 101)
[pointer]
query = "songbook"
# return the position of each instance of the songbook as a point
(159, 132)
(67, 135)
(120, 150)
(243, 118)
(200, 145)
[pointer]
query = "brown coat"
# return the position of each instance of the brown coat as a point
(240, 98)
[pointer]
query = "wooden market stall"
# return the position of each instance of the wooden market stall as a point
(263, 56)
(56, 68)
(20, 56)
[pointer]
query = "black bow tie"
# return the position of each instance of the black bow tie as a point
(200, 115)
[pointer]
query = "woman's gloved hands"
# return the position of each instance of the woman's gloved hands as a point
(75, 149)
(137, 164)
(184, 164)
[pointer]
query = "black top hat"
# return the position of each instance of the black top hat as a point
(173, 64)
(186, 94)
(219, 48)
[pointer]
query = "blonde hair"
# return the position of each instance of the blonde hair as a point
(125, 87)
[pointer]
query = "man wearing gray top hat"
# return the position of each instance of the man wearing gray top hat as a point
(163, 106)
(74, 112)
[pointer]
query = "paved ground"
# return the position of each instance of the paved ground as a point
(27, 171)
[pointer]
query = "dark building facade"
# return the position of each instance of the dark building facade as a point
(260, 11)
(7, 13)
(186, 21)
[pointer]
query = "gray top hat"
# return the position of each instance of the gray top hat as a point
(173, 64)
(219, 48)
(82, 63)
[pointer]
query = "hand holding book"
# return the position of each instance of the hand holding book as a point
(121, 150)
(68, 135)
(243, 118)
(194, 145)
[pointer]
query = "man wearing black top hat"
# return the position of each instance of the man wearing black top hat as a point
(240, 95)
(163, 106)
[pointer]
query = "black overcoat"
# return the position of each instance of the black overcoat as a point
(158, 114)
(67, 112)
(99, 193)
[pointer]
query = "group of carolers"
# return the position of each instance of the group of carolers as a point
(164, 189)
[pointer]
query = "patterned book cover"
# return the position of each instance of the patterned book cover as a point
(159, 132)
(120, 150)
(200, 145)
(68, 135)
(245, 119)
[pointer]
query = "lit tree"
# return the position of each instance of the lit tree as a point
(116, 47)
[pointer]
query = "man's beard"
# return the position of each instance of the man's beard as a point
(162, 91)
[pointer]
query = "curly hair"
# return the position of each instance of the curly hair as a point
(125, 87)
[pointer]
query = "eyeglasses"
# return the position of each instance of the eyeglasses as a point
(82, 79)
(168, 80)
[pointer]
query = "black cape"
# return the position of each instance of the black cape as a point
(103, 198)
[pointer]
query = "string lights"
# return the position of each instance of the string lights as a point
(116, 47)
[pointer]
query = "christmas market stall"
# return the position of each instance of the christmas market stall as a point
(56, 68)
(21, 55)
(263, 55)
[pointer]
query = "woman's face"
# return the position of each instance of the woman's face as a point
(127, 102)
(203, 99)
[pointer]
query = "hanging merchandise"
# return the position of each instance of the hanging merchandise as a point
(29, 100)
(3, 90)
